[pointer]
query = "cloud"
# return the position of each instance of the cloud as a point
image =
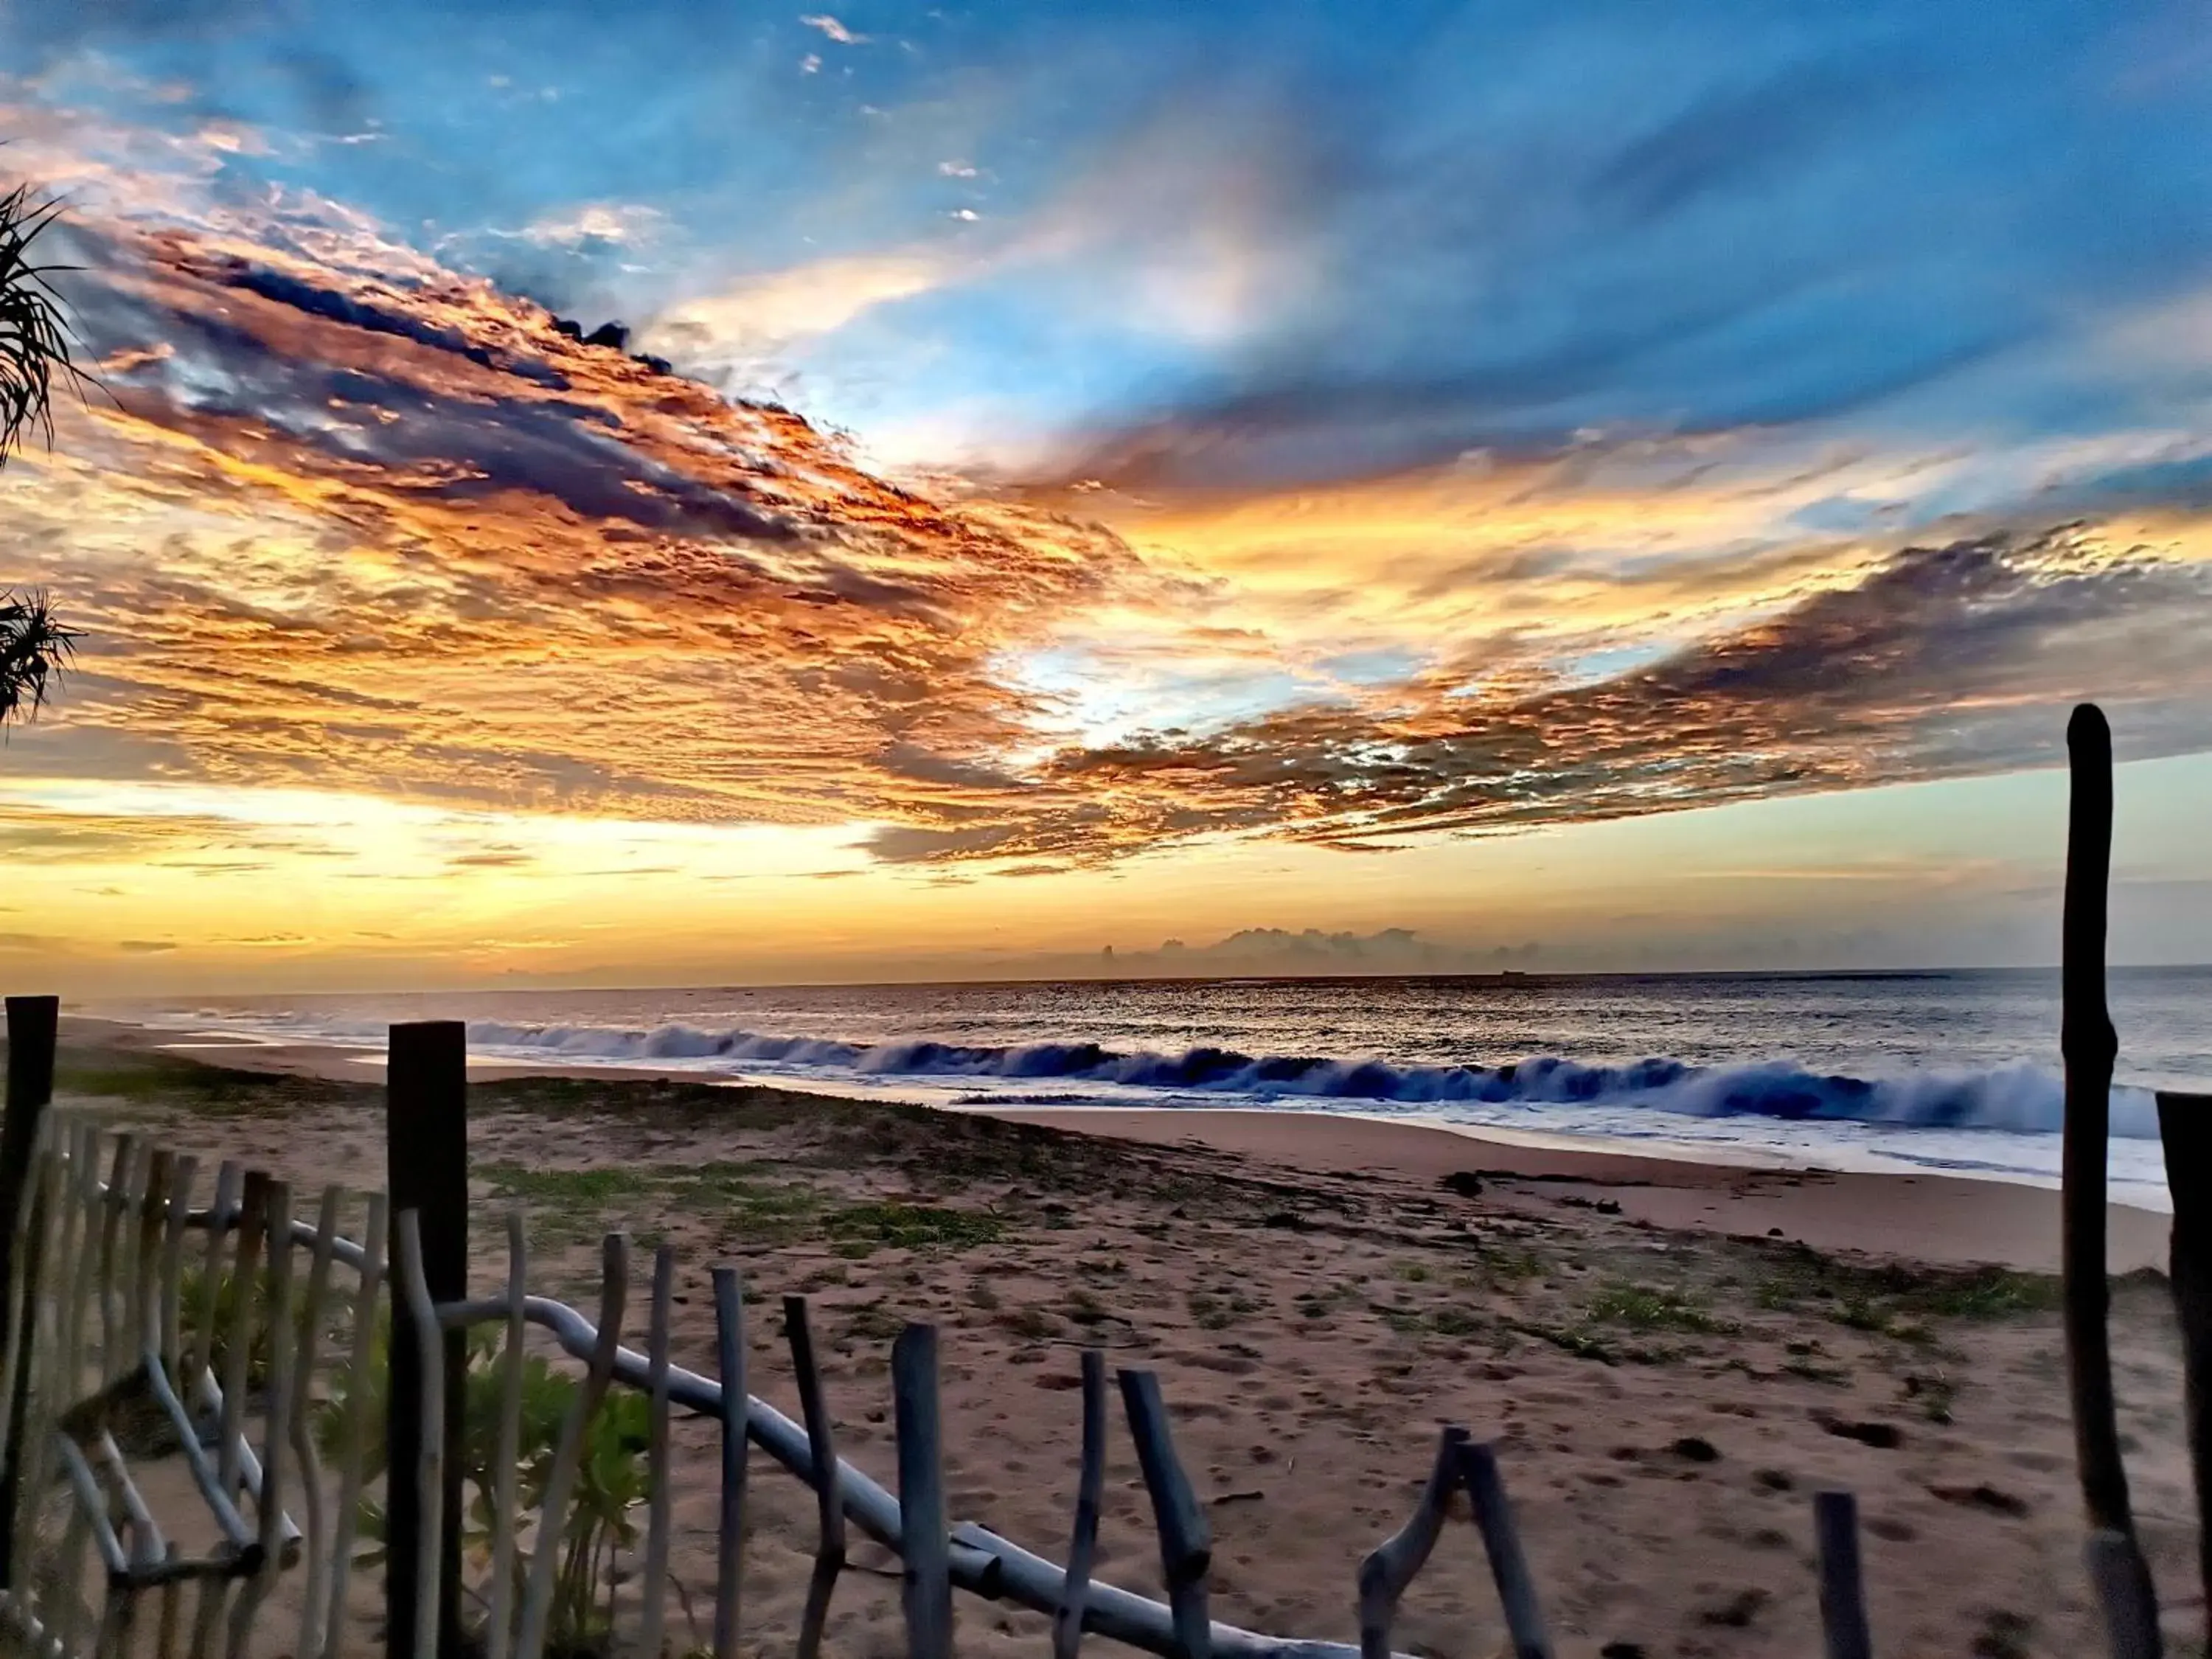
(744, 325)
(145, 947)
(1943, 661)
(357, 523)
(354, 521)
(836, 30)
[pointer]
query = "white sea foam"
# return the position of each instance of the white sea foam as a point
(2020, 1098)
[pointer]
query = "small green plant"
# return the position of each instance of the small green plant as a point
(1657, 1307)
(612, 1476)
(1454, 1322)
(861, 1228)
(193, 1321)
(1934, 1392)
(1031, 1324)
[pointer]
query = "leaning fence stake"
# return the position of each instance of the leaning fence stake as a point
(143, 1319)
(1517, 1588)
(32, 1025)
(252, 1222)
(504, 1521)
(428, 1473)
(222, 1222)
(552, 1514)
(2184, 1126)
(360, 1365)
(1186, 1544)
(169, 1337)
(1090, 1479)
(824, 1477)
(303, 1431)
(2122, 1582)
(1384, 1575)
(269, 1499)
(730, 1358)
(655, 1588)
(1843, 1593)
(922, 1541)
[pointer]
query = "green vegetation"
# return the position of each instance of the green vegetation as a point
(1574, 1339)
(602, 1185)
(1031, 1324)
(610, 1485)
(861, 1228)
(1934, 1392)
(1509, 1265)
(1655, 1308)
(1886, 1298)
(1217, 1312)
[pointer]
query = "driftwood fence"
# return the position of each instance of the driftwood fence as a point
(136, 1347)
(131, 1352)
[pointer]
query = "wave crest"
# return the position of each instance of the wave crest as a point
(2023, 1098)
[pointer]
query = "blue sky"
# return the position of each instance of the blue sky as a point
(1431, 227)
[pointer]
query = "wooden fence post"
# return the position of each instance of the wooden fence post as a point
(1843, 1587)
(32, 1025)
(427, 1154)
(2089, 1047)
(2184, 1126)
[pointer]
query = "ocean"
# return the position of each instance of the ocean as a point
(1951, 1071)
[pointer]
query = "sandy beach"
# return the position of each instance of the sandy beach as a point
(1671, 1357)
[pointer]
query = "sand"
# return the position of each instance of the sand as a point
(1667, 1381)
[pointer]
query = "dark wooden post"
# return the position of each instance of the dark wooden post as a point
(2089, 1047)
(2184, 1125)
(34, 1024)
(427, 1152)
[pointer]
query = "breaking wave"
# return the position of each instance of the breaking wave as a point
(2020, 1098)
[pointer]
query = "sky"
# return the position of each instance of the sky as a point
(1324, 483)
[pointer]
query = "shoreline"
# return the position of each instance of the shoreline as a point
(1935, 1219)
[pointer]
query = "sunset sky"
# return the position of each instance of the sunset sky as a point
(1580, 485)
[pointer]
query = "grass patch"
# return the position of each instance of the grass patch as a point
(860, 1228)
(1085, 1308)
(1655, 1308)
(1219, 1313)
(873, 1322)
(1934, 1392)
(1031, 1324)
(1569, 1338)
(1508, 1265)
(605, 1185)
(155, 1079)
(1891, 1299)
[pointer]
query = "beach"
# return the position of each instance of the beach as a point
(1667, 1377)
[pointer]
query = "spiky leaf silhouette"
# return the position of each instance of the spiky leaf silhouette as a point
(36, 347)
(34, 648)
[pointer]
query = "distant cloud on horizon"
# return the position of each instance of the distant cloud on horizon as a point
(1311, 949)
